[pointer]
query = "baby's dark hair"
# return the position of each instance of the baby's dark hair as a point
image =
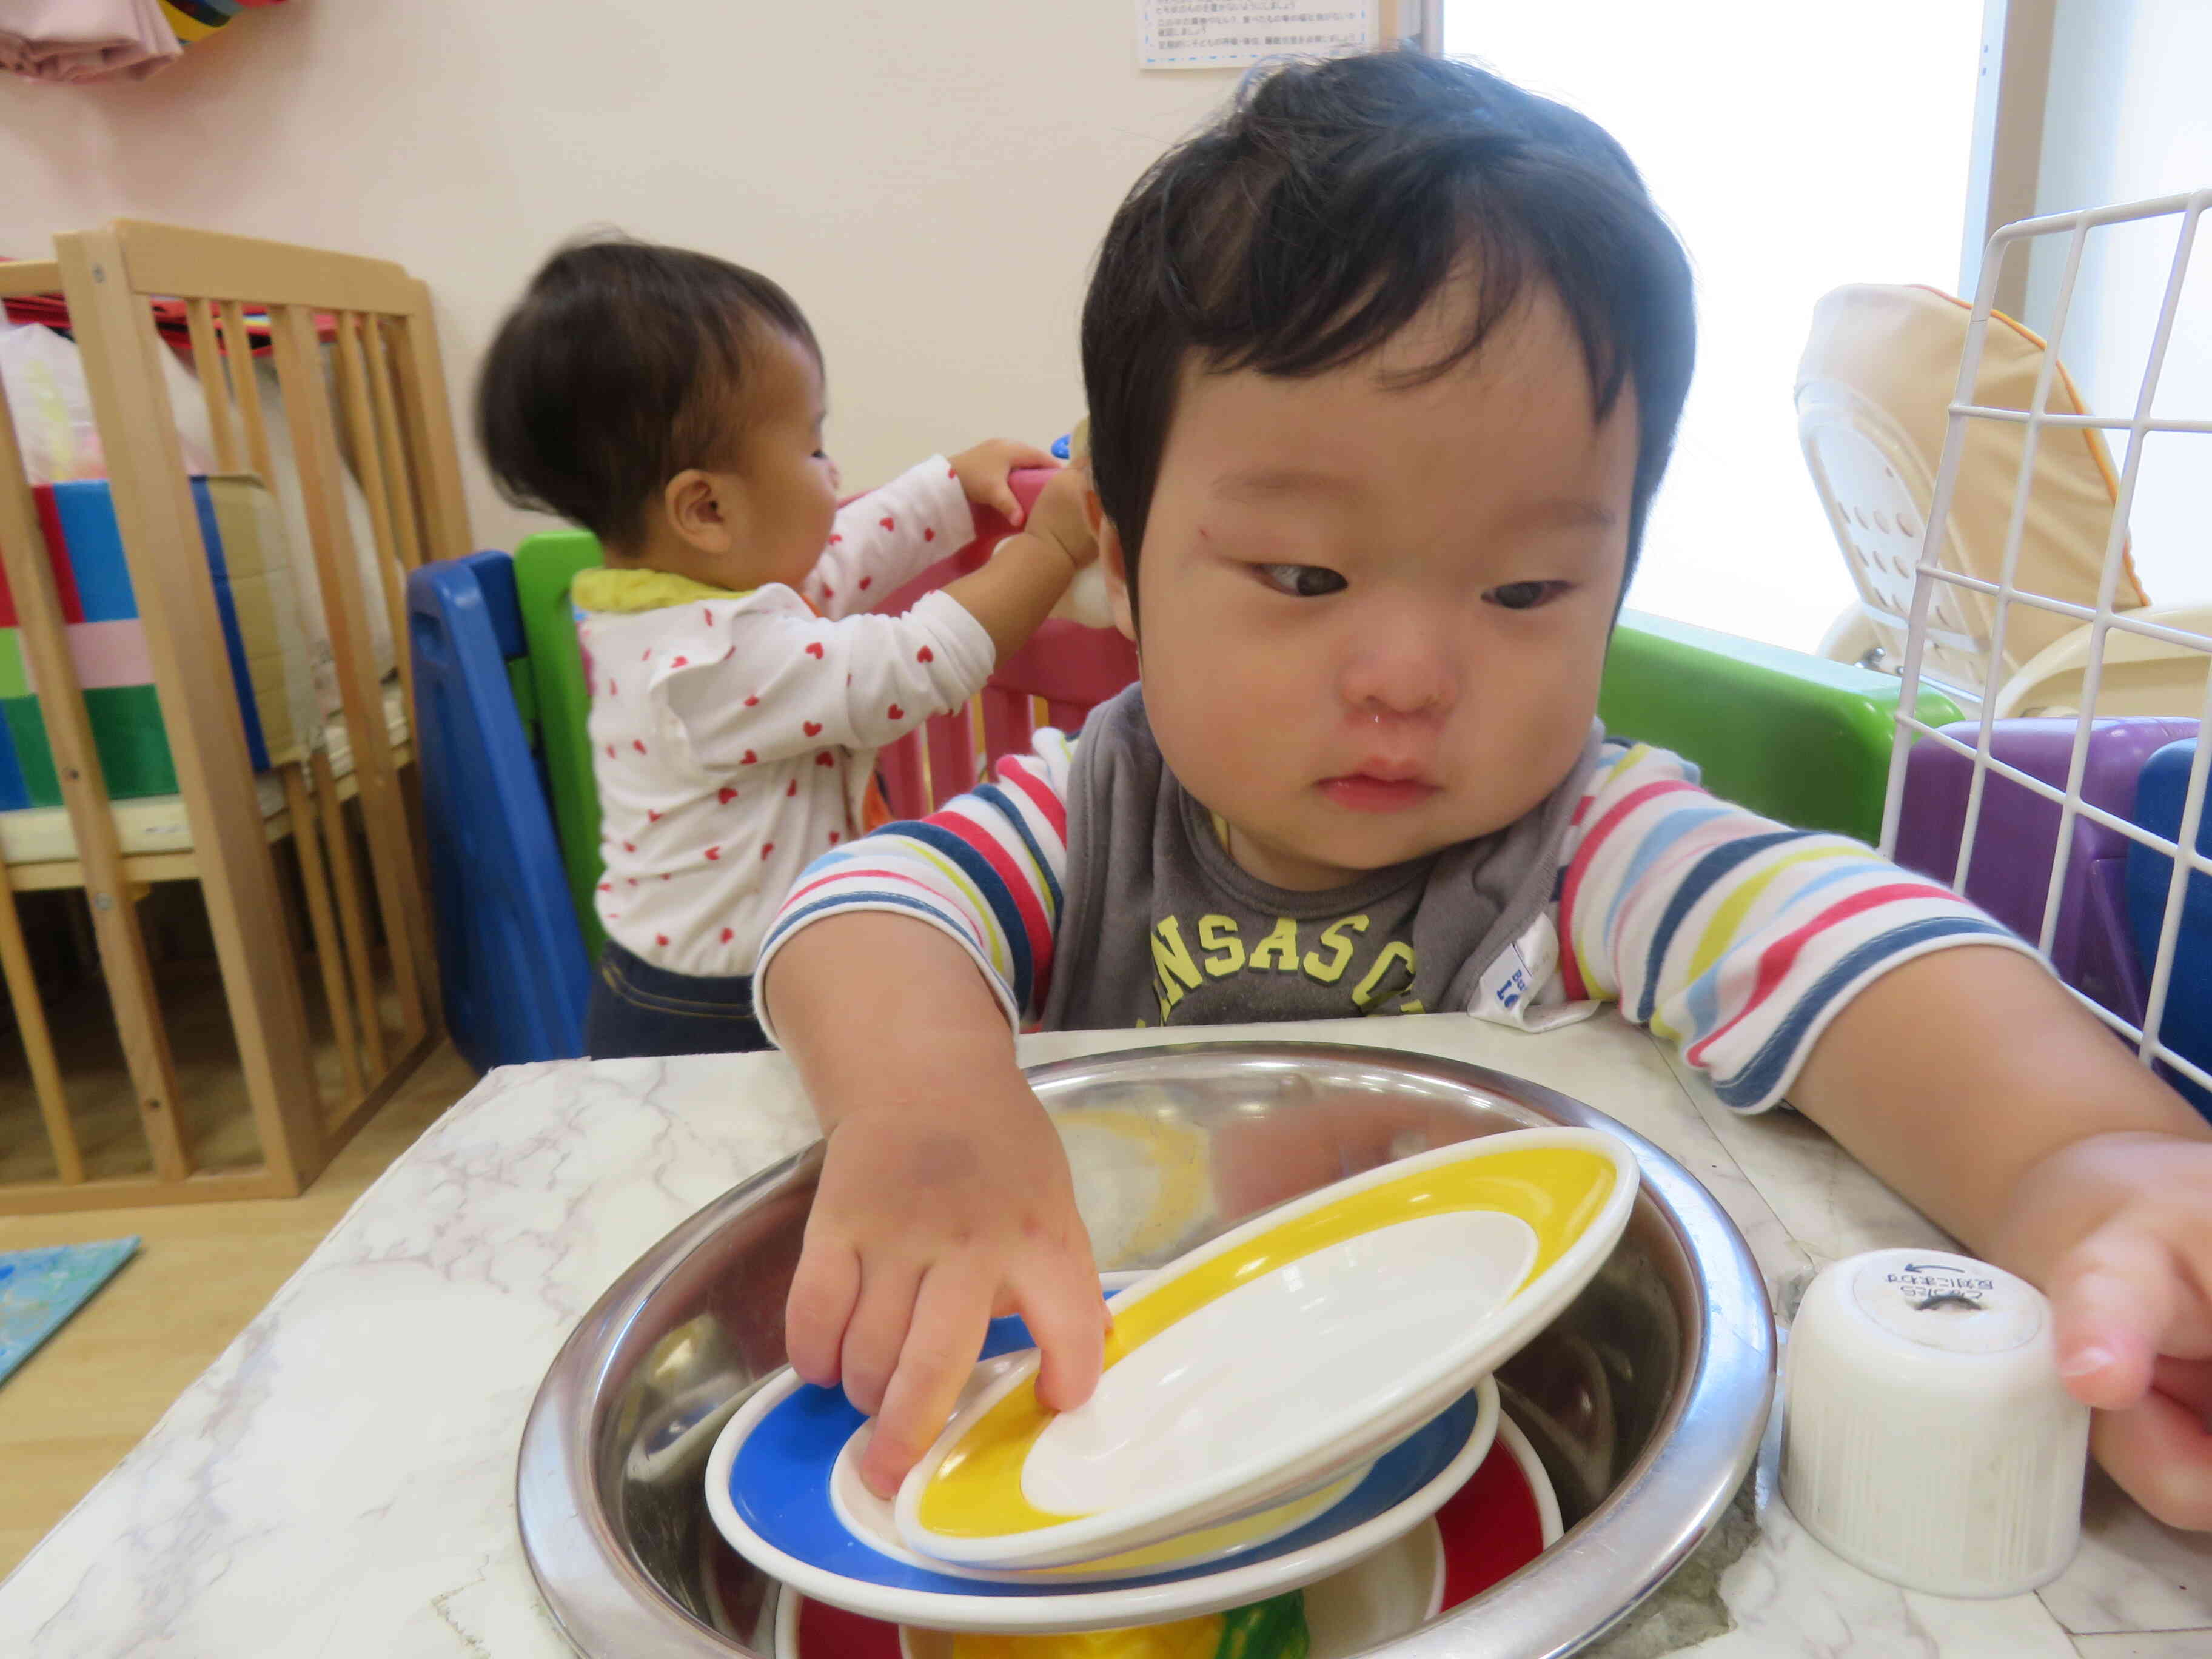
(613, 372)
(1329, 204)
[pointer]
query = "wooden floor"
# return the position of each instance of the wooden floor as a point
(201, 1271)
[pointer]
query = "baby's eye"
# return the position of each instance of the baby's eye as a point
(1525, 596)
(1305, 582)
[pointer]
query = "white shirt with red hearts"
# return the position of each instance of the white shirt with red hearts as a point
(733, 738)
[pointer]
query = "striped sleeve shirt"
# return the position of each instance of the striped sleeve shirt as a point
(1731, 936)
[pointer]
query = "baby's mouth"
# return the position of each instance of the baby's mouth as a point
(1376, 791)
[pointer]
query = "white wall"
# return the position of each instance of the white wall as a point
(2128, 117)
(929, 180)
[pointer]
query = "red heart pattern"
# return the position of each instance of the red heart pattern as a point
(815, 650)
(748, 759)
(925, 655)
(713, 853)
(727, 794)
(888, 522)
(896, 712)
(825, 758)
(813, 728)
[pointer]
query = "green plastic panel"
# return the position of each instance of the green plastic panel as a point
(544, 566)
(1793, 737)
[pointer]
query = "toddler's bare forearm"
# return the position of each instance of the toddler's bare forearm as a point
(1956, 1076)
(1016, 590)
(879, 1011)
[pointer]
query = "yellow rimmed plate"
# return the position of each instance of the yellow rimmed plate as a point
(1275, 1359)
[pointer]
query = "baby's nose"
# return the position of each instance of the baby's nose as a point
(1407, 673)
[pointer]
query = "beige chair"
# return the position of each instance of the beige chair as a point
(1874, 395)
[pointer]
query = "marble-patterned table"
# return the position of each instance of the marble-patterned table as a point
(341, 1482)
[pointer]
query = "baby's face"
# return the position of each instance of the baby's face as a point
(1375, 615)
(786, 483)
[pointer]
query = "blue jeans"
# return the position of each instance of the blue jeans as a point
(638, 1012)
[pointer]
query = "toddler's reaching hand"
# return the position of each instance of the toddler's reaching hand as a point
(2118, 1226)
(983, 471)
(929, 1222)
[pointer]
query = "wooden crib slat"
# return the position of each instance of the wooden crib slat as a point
(161, 535)
(214, 392)
(429, 430)
(306, 836)
(398, 472)
(37, 1042)
(345, 877)
(123, 959)
(360, 425)
(314, 447)
(238, 351)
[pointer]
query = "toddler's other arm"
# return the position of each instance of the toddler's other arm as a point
(885, 538)
(773, 684)
(1970, 1082)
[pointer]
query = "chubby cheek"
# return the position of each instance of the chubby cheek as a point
(1234, 712)
(1516, 739)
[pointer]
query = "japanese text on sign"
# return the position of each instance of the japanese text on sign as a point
(1225, 34)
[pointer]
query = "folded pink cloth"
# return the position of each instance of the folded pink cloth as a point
(78, 40)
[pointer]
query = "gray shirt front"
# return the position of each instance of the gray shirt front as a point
(1159, 927)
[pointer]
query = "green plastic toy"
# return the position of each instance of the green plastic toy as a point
(544, 566)
(1793, 737)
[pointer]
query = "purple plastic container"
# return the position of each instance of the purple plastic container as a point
(2017, 833)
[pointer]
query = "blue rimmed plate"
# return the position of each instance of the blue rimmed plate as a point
(768, 1489)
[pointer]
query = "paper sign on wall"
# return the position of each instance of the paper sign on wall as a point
(1226, 33)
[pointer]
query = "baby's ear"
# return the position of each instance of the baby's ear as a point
(697, 511)
(1113, 563)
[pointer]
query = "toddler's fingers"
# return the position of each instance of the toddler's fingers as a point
(949, 1317)
(2160, 1452)
(1060, 1300)
(877, 1332)
(2113, 1298)
(822, 1293)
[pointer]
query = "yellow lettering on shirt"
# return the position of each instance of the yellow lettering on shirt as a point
(1279, 950)
(1368, 989)
(1171, 961)
(1329, 971)
(1219, 935)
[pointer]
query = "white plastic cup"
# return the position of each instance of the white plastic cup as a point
(1926, 1436)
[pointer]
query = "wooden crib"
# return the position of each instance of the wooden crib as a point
(312, 873)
